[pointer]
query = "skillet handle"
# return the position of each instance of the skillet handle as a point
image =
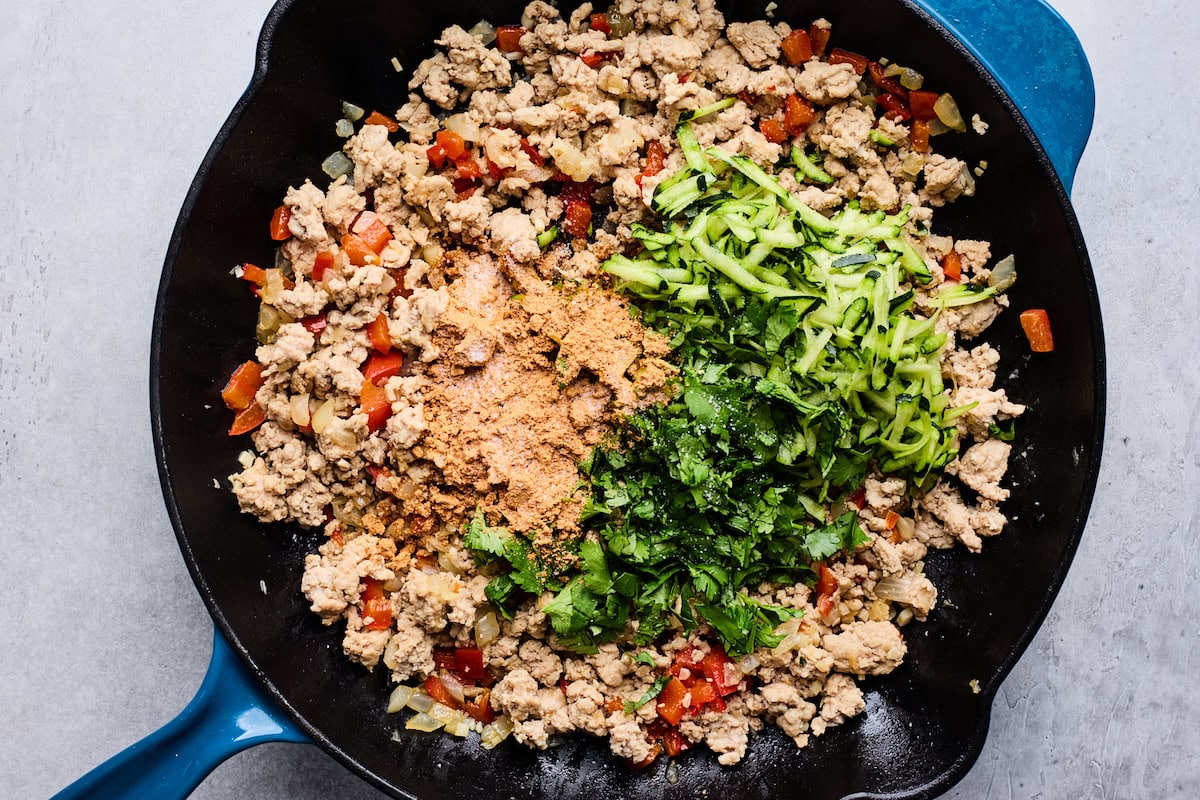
(228, 714)
(1036, 58)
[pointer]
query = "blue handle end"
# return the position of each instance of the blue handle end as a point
(1037, 59)
(228, 714)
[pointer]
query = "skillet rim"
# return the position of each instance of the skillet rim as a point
(938, 783)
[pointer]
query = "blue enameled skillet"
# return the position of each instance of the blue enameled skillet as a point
(277, 674)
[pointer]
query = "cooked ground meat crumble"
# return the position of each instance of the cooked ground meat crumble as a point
(517, 359)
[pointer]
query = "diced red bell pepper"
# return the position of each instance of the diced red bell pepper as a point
(713, 666)
(469, 170)
(1036, 324)
(279, 224)
(443, 658)
(578, 218)
(497, 173)
(314, 324)
(685, 659)
(376, 608)
(703, 693)
(894, 108)
(453, 145)
(480, 708)
(508, 38)
(358, 251)
(670, 701)
(674, 743)
(374, 403)
(436, 156)
(243, 384)
(594, 60)
(840, 56)
(918, 137)
(577, 190)
(248, 419)
(375, 118)
(884, 82)
(531, 151)
(891, 519)
(859, 498)
(599, 22)
(380, 367)
(819, 36)
(797, 47)
(371, 228)
(377, 332)
(321, 265)
(773, 130)
(952, 265)
(464, 188)
(440, 694)
(469, 666)
(921, 103)
(656, 158)
(797, 114)
(253, 274)
(827, 584)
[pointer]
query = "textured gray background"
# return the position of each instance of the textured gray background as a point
(106, 110)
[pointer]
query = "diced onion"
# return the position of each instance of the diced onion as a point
(432, 254)
(947, 111)
(453, 686)
(485, 31)
(1004, 274)
(447, 563)
(748, 663)
(911, 79)
(897, 588)
(399, 699)
(343, 128)
(337, 165)
(347, 509)
(423, 722)
(323, 416)
(906, 527)
(937, 127)
(420, 701)
(912, 165)
(300, 411)
(272, 286)
(352, 112)
(444, 714)
(495, 732)
(487, 629)
(269, 320)
(246, 459)
(463, 126)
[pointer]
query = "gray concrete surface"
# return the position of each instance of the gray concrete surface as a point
(105, 112)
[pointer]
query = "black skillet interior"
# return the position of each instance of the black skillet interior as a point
(924, 725)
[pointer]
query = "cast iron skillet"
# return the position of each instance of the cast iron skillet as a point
(924, 725)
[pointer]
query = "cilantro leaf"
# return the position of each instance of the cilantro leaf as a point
(654, 691)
